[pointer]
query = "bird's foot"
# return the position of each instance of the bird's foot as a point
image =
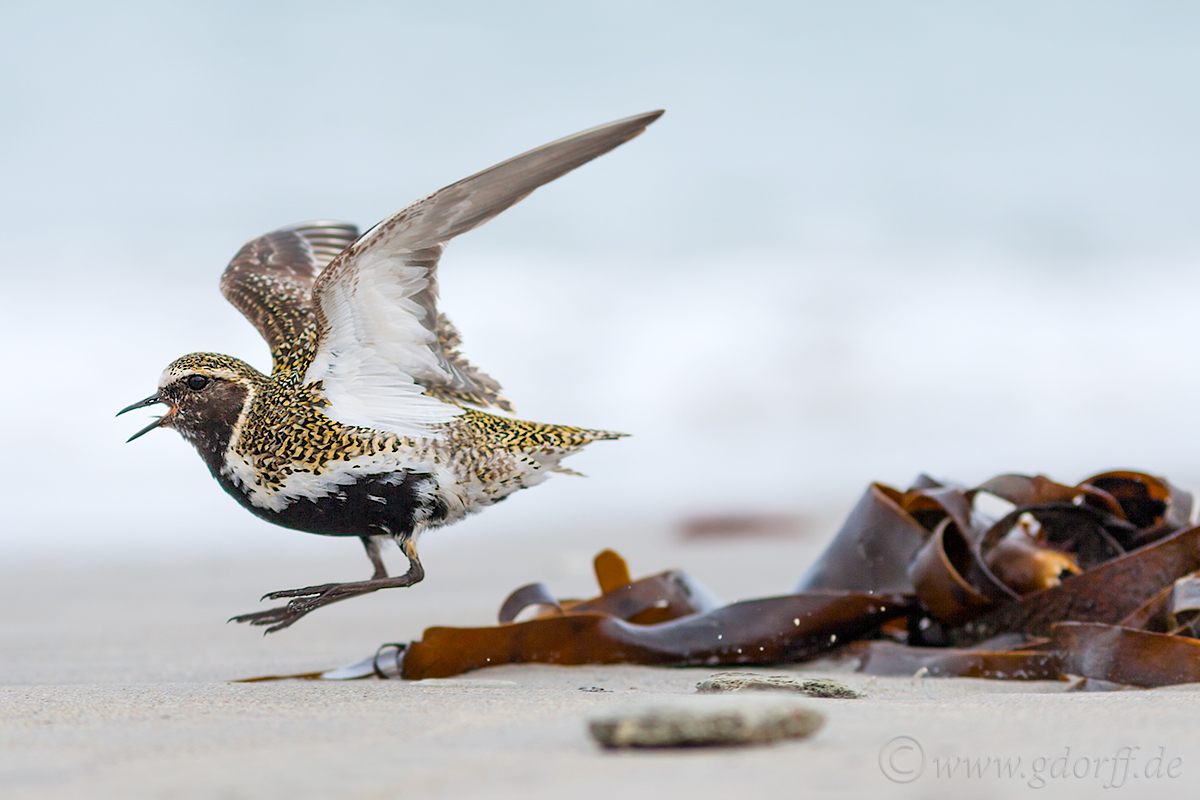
(311, 598)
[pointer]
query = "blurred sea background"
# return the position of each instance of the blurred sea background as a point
(867, 240)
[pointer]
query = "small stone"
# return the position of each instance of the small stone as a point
(709, 721)
(824, 687)
(751, 682)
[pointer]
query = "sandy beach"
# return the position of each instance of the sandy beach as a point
(118, 681)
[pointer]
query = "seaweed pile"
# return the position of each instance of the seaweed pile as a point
(1018, 578)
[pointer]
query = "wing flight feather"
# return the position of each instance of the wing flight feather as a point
(270, 281)
(385, 356)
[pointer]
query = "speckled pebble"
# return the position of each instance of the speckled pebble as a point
(751, 682)
(708, 721)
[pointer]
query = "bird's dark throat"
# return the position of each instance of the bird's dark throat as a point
(207, 419)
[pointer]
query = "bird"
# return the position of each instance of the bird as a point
(371, 422)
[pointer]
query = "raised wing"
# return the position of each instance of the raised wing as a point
(270, 281)
(379, 356)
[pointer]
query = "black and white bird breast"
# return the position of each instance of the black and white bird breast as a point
(389, 504)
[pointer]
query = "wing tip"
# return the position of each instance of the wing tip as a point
(605, 436)
(635, 125)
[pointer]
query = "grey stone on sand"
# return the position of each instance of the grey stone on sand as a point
(751, 682)
(706, 721)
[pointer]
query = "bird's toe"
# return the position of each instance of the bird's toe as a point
(305, 592)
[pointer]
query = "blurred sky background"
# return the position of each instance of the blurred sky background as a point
(868, 239)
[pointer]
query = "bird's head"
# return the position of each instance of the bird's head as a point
(206, 393)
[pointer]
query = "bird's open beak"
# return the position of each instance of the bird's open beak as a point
(149, 401)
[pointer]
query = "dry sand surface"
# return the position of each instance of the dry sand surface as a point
(116, 681)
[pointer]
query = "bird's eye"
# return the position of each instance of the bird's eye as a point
(196, 382)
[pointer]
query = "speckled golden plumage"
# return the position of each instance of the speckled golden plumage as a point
(284, 431)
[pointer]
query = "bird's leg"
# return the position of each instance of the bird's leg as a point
(371, 545)
(311, 598)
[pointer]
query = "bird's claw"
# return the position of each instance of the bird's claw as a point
(277, 618)
(307, 599)
(311, 598)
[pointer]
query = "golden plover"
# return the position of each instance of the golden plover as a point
(370, 423)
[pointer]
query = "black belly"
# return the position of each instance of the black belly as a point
(375, 505)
